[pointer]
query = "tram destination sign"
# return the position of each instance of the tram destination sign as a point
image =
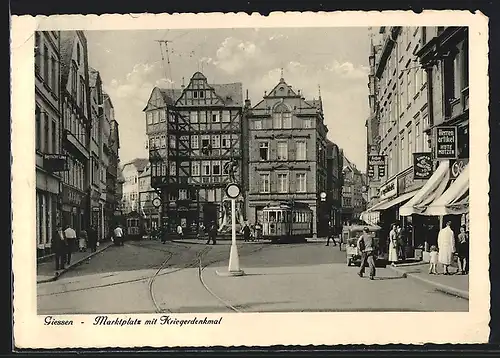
(446, 142)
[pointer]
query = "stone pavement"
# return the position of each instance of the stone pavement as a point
(454, 284)
(45, 271)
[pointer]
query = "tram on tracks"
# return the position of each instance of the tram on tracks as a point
(287, 221)
(135, 228)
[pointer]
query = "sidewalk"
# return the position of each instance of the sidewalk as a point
(457, 285)
(45, 271)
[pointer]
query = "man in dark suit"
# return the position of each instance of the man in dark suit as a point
(92, 238)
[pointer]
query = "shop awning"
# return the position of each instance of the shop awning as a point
(432, 189)
(376, 206)
(398, 200)
(455, 200)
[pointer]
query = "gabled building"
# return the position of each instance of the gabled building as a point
(130, 188)
(287, 153)
(194, 133)
(77, 116)
(353, 203)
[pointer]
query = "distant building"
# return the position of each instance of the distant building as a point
(287, 154)
(353, 203)
(194, 133)
(130, 188)
(147, 194)
(335, 178)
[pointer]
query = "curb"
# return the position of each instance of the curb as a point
(55, 277)
(439, 286)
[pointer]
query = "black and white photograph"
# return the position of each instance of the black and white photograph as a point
(182, 175)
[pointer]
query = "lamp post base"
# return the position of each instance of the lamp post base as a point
(230, 273)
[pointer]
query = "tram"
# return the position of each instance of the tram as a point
(287, 222)
(134, 226)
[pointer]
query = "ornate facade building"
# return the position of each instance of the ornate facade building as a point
(194, 138)
(287, 153)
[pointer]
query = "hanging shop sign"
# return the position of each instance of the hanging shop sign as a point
(446, 142)
(422, 165)
(405, 182)
(457, 166)
(376, 161)
(55, 162)
(389, 189)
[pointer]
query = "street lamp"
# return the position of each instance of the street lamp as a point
(233, 191)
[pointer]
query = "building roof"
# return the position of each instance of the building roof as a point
(139, 163)
(93, 75)
(146, 172)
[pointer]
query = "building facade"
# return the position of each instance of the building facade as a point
(76, 114)
(287, 153)
(147, 194)
(49, 163)
(194, 138)
(353, 203)
(335, 180)
(130, 188)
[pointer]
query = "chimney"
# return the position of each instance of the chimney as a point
(182, 85)
(247, 101)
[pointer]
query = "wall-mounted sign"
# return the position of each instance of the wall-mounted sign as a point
(457, 166)
(381, 171)
(371, 171)
(72, 196)
(389, 189)
(55, 162)
(376, 159)
(422, 165)
(446, 142)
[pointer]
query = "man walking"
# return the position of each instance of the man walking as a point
(118, 234)
(70, 235)
(367, 249)
(59, 246)
(92, 238)
(212, 234)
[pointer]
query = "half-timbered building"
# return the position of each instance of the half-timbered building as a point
(287, 152)
(194, 136)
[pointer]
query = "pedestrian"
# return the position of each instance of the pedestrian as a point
(463, 251)
(59, 246)
(393, 244)
(330, 235)
(446, 247)
(180, 231)
(366, 246)
(201, 231)
(118, 235)
(400, 243)
(70, 235)
(433, 260)
(92, 238)
(258, 230)
(82, 241)
(212, 234)
(246, 232)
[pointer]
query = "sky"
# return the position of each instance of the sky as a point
(331, 60)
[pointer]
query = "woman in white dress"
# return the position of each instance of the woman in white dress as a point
(446, 246)
(393, 252)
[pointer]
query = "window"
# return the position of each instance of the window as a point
(173, 169)
(172, 141)
(216, 141)
(257, 124)
(157, 142)
(78, 55)
(152, 143)
(195, 169)
(163, 141)
(409, 75)
(410, 147)
(203, 117)
(183, 192)
(402, 151)
(287, 120)
(282, 183)
(74, 81)
(282, 151)
(216, 168)
(423, 77)
(264, 183)
(195, 143)
(417, 138)
(264, 150)
(38, 129)
(301, 182)
(202, 94)
(163, 116)
(38, 51)
(226, 116)
(53, 72)
(195, 94)
(54, 137)
(282, 117)
(215, 117)
(193, 117)
(82, 93)
(46, 125)
(390, 165)
(402, 96)
(226, 141)
(205, 144)
(307, 123)
(277, 121)
(205, 168)
(416, 81)
(45, 63)
(301, 150)
(156, 117)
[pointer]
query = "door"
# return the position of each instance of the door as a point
(209, 214)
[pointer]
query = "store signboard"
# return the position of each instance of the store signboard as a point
(422, 165)
(55, 162)
(389, 189)
(446, 142)
(456, 167)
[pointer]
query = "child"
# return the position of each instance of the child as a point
(433, 260)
